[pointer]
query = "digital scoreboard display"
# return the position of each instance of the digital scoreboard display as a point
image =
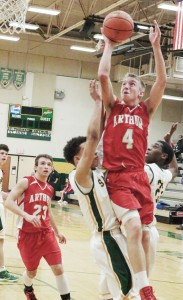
(30, 122)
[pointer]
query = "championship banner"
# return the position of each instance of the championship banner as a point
(18, 78)
(5, 77)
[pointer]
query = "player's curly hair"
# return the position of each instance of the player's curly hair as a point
(72, 148)
(166, 148)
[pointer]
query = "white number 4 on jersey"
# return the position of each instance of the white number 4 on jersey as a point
(128, 138)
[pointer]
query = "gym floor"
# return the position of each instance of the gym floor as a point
(83, 274)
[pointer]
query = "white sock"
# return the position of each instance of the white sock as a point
(2, 268)
(62, 284)
(26, 279)
(141, 279)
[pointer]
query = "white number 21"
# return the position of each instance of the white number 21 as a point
(128, 138)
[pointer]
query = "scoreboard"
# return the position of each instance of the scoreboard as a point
(30, 122)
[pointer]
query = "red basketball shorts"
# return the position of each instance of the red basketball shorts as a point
(131, 190)
(35, 245)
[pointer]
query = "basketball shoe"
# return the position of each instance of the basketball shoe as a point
(30, 295)
(6, 276)
(146, 293)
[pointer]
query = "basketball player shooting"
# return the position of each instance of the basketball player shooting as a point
(124, 148)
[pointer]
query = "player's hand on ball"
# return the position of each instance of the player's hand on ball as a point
(108, 41)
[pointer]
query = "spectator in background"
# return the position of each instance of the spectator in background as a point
(53, 180)
(65, 192)
(179, 147)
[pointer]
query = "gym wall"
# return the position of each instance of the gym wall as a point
(71, 115)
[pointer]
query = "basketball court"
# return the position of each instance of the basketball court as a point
(83, 274)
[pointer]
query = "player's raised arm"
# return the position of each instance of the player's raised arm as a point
(108, 96)
(173, 166)
(83, 169)
(158, 87)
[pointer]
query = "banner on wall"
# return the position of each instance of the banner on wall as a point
(9, 75)
(18, 78)
(5, 77)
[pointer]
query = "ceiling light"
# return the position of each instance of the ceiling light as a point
(9, 38)
(86, 49)
(98, 36)
(43, 10)
(143, 27)
(168, 6)
(169, 97)
(26, 26)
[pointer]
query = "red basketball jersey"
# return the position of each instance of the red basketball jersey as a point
(35, 201)
(125, 137)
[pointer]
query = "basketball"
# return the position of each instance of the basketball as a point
(118, 26)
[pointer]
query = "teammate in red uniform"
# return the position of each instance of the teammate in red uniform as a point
(124, 146)
(37, 228)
